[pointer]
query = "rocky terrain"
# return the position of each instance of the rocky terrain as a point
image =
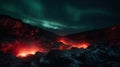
(95, 56)
(23, 45)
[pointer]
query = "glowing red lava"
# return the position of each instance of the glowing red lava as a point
(68, 44)
(24, 52)
(21, 49)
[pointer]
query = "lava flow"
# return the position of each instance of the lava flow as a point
(26, 51)
(21, 49)
(68, 44)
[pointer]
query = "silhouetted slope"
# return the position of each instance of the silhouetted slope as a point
(15, 32)
(110, 35)
(14, 28)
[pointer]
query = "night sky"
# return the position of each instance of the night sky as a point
(64, 16)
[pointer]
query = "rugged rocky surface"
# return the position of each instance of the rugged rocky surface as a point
(103, 48)
(94, 56)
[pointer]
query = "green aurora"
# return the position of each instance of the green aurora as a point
(64, 16)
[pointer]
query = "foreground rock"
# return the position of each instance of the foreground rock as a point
(94, 56)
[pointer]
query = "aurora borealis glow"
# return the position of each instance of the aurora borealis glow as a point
(64, 16)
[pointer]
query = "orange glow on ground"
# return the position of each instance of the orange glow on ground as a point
(22, 49)
(81, 45)
(68, 44)
(62, 40)
(26, 51)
